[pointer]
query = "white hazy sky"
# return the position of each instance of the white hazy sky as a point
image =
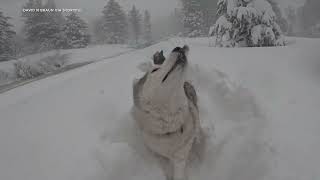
(93, 8)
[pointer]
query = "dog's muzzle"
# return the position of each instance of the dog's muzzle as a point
(181, 60)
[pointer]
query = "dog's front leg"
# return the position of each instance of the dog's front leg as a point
(179, 169)
(180, 160)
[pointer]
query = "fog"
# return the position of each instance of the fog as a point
(91, 9)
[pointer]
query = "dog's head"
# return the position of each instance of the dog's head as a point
(164, 84)
(170, 69)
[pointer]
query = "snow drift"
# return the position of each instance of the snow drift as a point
(258, 106)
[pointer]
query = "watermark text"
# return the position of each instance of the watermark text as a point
(52, 10)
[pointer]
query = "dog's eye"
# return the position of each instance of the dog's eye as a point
(156, 69)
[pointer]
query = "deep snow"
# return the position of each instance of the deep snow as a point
(259, 106)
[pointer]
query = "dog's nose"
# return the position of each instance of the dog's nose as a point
(177, 49)
(184, 50)
(181, 59)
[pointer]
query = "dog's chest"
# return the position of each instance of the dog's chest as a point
(161, 117)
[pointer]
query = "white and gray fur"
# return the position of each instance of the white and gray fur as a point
(166, 111)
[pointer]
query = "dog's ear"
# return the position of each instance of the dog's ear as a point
(158, 58)
(156, 54)
(155, 57)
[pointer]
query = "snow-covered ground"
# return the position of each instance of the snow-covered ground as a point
(259, 106)
(73, 56)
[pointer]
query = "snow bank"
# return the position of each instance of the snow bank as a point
(43, 63)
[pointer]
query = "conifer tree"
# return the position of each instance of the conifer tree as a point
(193, 20)
(98, 30)
(208, 9)
(6, 38)
(76, 32)
(114, 25)
(280, 20)
(31, 19)
(246, 23)
(310, 14)
(291, 16)
(135, 22)
(147, 36)
(42, 29)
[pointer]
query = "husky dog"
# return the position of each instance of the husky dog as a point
(166, 111)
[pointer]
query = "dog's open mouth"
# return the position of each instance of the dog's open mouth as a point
(181, 60)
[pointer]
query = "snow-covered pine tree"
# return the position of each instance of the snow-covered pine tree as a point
(208, 9)
(291, 16)
(6, 38)
(114, 25)
(55, 20)
(310, 14)
(76, 32)
(29, 5)
(98, 31)
(147, 36)
(135, 23)
(42, 29)
(246, 23)
(192, 19)
(175, 23)
(280, 20)
(57, 16)
(31, 19)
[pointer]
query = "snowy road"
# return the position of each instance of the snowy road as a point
(7, 87)
(76, 125)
